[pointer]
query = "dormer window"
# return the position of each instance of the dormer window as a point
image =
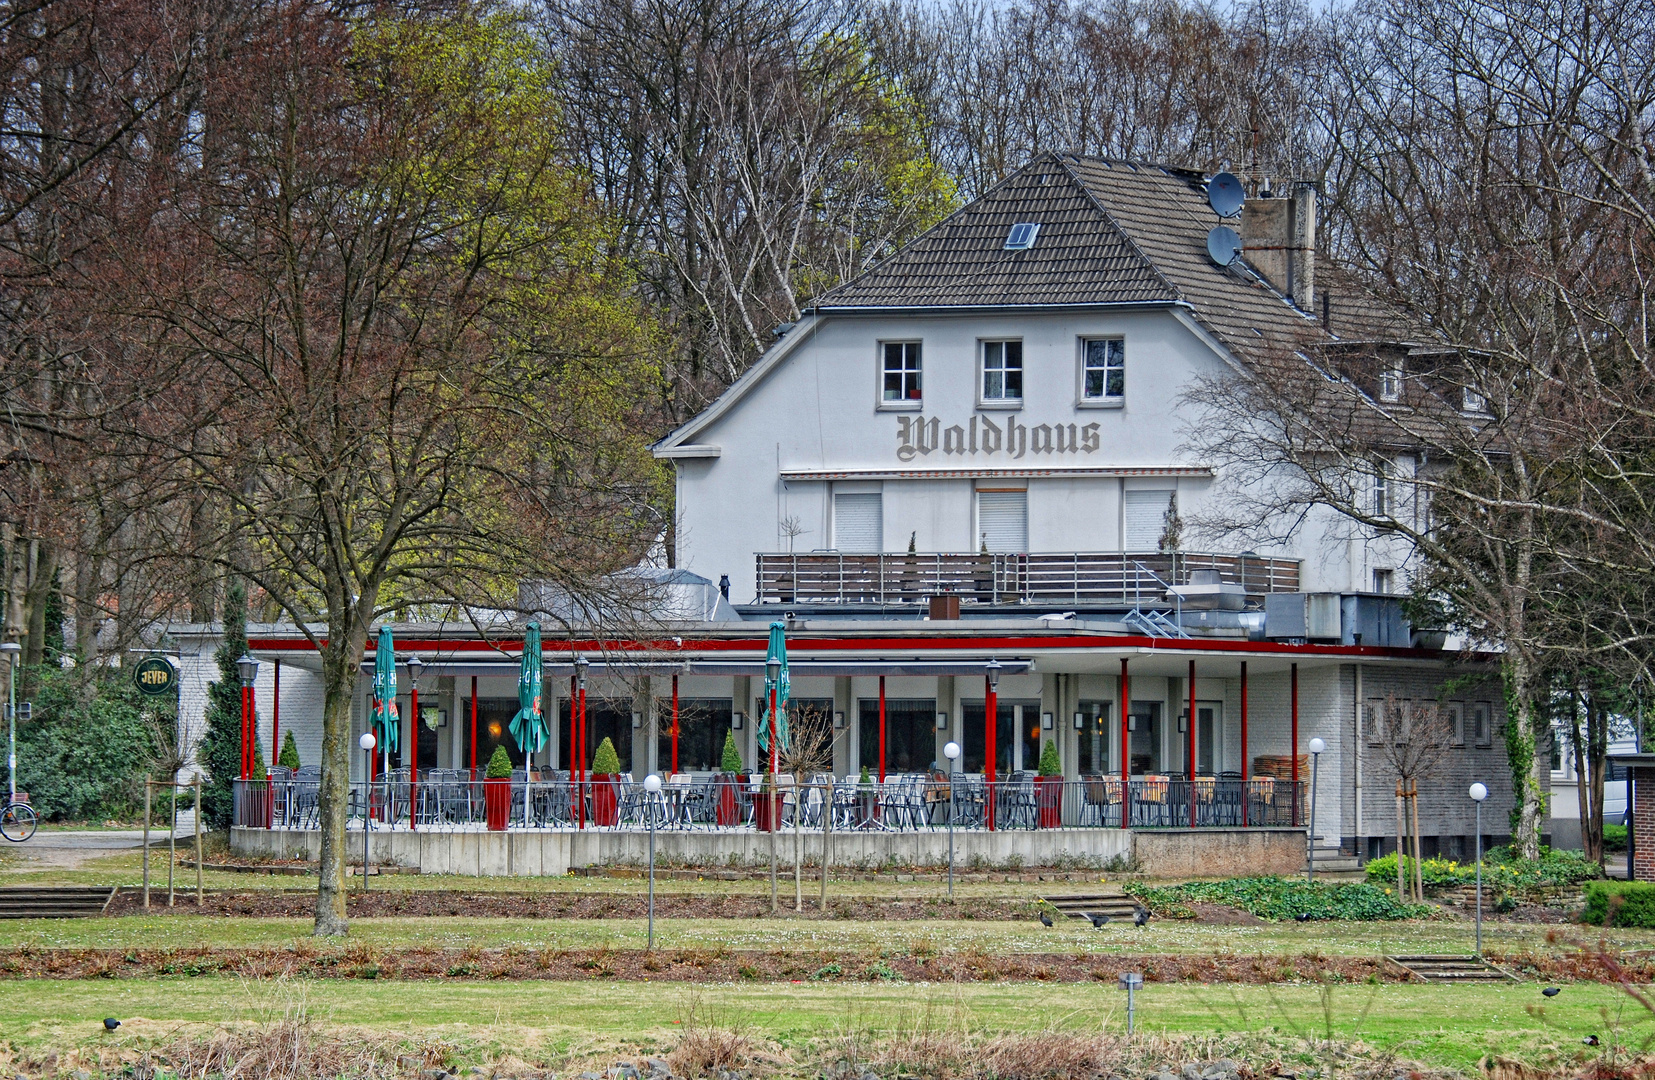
(1472, 402)
(1390, 382)
(1022, 236)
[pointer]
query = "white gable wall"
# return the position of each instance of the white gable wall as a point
(820, 410)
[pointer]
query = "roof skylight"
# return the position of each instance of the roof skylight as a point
(1022, 236)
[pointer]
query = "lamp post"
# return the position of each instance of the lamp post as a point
(415, 666)
(1478, 794)
(366, 742)
(580, 734)
(652, 789)
(14, 653)
(1316, 748)
(991, 733)
(249, 671)
(952, 753)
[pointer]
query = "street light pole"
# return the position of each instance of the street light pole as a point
(578, 742)
(14, 653)
(248, 668)
(652, 789)
(952, 753)
(1316, 748)
(1478, 794)
(415, 666)
(991, 733)
(366, 742)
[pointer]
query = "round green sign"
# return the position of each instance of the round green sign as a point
(155, 675)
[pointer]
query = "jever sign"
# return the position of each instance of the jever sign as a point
(155, 675)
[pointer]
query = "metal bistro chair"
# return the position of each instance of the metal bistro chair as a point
(304, 804)
(1151, 800)
(1101, 793)
(1018, 809)
(281, 794)
(970, 799)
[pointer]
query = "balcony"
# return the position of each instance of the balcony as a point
(1079, 578)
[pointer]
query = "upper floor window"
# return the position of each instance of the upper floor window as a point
(1471, 401)
(1390, 382)
(900, 363)
(1002, 371)
(1384, 581)
(1103, 369)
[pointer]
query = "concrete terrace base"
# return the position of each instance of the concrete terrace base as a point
(1166, 853)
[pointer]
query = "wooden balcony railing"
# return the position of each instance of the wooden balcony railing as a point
(1045, 577)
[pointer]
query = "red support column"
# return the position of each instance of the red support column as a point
(474, 727)
(246, 759)
(580, 758)
(276, 718)
(1295, 737)
(1190, 750)
(675, 724)
(1126, 748)
(413, 758)
(991, 722)
(882, 729)
(1244, 793)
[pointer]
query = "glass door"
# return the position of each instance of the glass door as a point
(1146, 737)
(1096, 739)
(1209, 737)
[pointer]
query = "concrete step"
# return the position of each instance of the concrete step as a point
(1451, 969)
(45, 902)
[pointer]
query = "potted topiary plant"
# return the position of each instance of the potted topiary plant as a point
(289, 758)
(728, 806)
(1049, 787)
(497, 790)
(606, 774)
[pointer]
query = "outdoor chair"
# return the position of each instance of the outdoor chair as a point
(1150, 802)
(281, 795)
(305, 801)
(970, 799)
(519, 797)
(1101, 793)
(1017, 806)
(844, 807)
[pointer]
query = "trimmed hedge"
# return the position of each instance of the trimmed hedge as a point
(1620, 903)
(1502, 868)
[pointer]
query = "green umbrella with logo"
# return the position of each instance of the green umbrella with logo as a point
(781, 683)
(529, 726)
(385, 718)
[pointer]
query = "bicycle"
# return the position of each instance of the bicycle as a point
(17, 822)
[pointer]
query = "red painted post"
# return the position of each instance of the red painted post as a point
(1126, 749)
(1295, 754)
(276, 718)
(1191, 744)
(675, 724)
(991, 732)
(882, 729)
(580, 756)
(413, 758)
(1244, 794)
(474, 727)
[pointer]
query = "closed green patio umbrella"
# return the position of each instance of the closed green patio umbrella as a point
(777, 651)
(385, 720)
(529, 725)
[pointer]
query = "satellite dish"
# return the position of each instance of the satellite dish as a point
(1225, 195)
(1223, 245)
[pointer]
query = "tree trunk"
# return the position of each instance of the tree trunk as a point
(341, 660)
(1597, 753)
(1419, 870)
(1520, 744)
(1401, 848)
(1583, 805)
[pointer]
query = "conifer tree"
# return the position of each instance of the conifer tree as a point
(219, 753)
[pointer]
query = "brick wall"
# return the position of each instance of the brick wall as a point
(1643, 824)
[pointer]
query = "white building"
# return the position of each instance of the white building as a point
(976, 451)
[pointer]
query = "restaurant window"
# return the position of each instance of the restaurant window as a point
(1103, 370)
(1003, 520)
(1093, 738)
(910, 734)
(1145, 737)
(605, 718)
(975, 736)
(494, 729)
(901, 371)
(1002, 372)
(702, 725)
(1146, 519)
(859, 521)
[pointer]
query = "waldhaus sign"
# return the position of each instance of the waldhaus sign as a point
(982, 437)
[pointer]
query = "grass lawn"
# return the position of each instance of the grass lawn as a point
(1452, 1026)
(1163, 936)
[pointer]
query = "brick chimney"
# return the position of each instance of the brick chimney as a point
(1278, 239)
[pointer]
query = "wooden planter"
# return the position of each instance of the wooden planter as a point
(1048, 797)
(605, 804)
(497, 803)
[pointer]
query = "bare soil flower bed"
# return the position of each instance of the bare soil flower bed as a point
(305, 960)
(301, 903)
